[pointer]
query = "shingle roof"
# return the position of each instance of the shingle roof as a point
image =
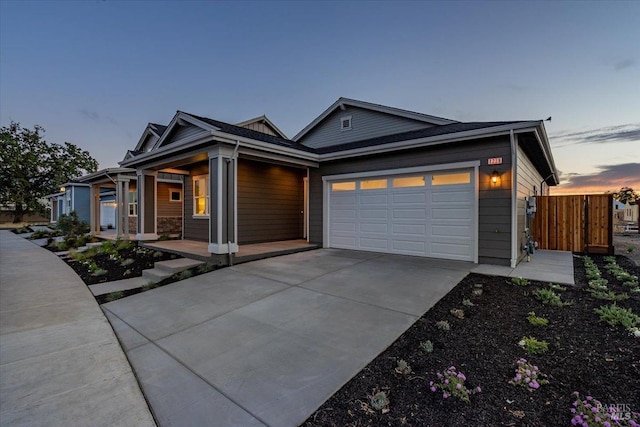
(410, 135)
(160, 128)
(252, 134)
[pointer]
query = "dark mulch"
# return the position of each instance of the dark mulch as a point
(143, 259)
(584, 355)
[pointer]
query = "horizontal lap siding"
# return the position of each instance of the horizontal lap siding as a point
(270, 201)
(494, 224)
(194, 229)
(364, 124)
(165, 206)
(528, 179)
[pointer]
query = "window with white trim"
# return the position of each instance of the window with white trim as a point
(451, 178)
(345, 123)
(409, 181)
(343, 186)
(133, 203)
(175, 195)
(200, 195)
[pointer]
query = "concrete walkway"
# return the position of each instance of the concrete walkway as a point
(545, 266)
(267, 342)
(60, 362)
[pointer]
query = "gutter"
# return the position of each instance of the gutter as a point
(514, 199)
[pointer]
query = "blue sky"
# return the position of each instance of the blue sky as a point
(95, 72)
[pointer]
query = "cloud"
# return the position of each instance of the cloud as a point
(95, 117)
(624, 63)
(619, 133)
(610, 178)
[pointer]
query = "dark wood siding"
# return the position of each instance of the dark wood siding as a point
(494, 207)
(165, 206)
(194, 228)
(270, 202)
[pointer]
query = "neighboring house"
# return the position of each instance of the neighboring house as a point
(360, 176)
(72, 197)
(631, 213)
(618, 211)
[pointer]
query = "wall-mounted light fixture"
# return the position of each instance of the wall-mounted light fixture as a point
(62, 189)
(495, 178)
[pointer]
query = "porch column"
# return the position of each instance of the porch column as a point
(223, 190)
(147, 206)
(122, 209)
(94, 209)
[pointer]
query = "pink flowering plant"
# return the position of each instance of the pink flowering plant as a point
(528, 376)
(591, 412)
(451, 384)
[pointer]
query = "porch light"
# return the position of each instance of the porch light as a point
(62, 189)
(495, 178)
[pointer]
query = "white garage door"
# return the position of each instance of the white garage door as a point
(429, 214)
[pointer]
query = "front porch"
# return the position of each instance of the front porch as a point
(247, 252)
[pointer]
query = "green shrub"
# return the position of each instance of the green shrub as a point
(70, 225)
(443, 325)
(609, 295)
(127, 262)
(184, 274)
(403, 368)
(114, 296)
(379, 401)
(536, 320)
(458, 313)
(549, 297)
(99, 272)
(533, 346)
(614, 316)
(426, 346)
(519, 281)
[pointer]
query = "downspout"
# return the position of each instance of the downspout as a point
(514, 201)
(233, 157)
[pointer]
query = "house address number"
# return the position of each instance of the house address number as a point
(495, 161)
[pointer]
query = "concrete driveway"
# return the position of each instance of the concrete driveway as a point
(267, 342)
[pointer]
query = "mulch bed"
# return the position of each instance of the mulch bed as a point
(144, 259)
(584, 355)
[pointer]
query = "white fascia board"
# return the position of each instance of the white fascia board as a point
(265, 146)
(265, 119)
(176, 146)
(142, 138)
(180, 115)
(423, 142)
(403, 171)
(104, 172)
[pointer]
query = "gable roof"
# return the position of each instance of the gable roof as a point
(263, 120)
(342, 102)
(154, 129)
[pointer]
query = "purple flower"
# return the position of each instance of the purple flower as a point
(574, 422)
(439, 374)
(461, 376)
(607, 424)
(597, 419)
(478, 389)
(518, 377)
(594, 409)
(575, 403)
(458, 386)
(528, 372)
(534, 384)
(433, 389)
(526, 380)
(446, 381)
(589, 397)
(445, 395)
(430, 382)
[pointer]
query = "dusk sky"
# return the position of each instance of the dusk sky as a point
(94, 73)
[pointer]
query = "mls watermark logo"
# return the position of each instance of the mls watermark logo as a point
(617, 411)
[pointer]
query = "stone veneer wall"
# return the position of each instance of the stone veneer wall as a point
(133, 224)
(169, 225)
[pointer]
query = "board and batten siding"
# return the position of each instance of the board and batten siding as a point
(270, 202)
(194, 228)
(494, 206)
(528, 183)
(261, 127)
(365, 124)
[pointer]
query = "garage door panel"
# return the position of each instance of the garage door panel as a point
(451, 230)
(462, 213)
(374, 199)
(374, 227)
(370, 243)
(426, 220)
(453, 196)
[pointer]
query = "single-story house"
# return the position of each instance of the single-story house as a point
(631, 212)
(72, 197)
(360, 176)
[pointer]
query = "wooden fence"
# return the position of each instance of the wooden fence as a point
(574, 223)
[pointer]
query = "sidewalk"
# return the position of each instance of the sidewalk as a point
(60, 362)
(545, 266)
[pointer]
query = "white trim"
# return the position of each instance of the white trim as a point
(218, 198)
(476, 249)
(343, 119)
(177, 119)
(403, 171)
(262, 118)
(514, 200)
(207, 195)
(175, 190)
(342, 102)
(305, 191)
(170, 181)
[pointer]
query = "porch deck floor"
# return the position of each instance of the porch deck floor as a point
(245, 253)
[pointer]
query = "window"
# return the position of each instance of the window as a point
(175, 195)
(345, 123)
(133, 203)
(451, 178)
(200, 195)
(409, 181)
(343, 186)
(373, 184)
